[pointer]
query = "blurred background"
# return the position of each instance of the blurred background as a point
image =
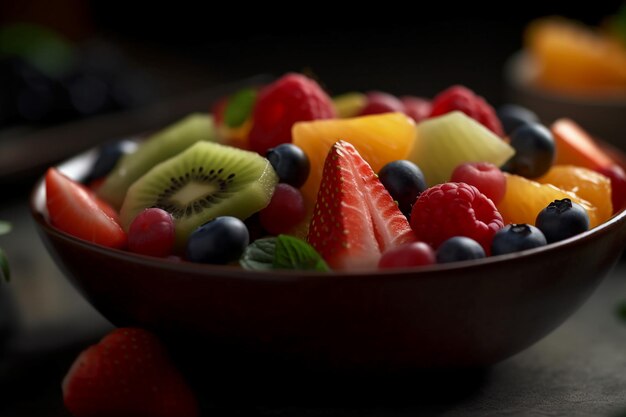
(77, 73)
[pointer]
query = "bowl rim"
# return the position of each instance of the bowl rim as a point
(617, 220)
(515, 76)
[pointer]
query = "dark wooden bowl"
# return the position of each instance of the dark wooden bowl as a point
(457, 315)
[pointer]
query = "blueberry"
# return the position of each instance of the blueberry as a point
(290, 163)
(516, 237)
(459, 248)
(562, 219)
(513, 116)
(109, 154)
(89, 94)
(220, 241)
(534, 151)
(404, 181)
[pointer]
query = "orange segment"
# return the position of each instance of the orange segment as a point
(587, 184)
(573, 58)
(379, 138)
(524, 199)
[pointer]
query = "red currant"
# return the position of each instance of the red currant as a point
(152, 233)
(407, 255)
(417, 108)
(485, 176)
(379, 102)
(285, 210)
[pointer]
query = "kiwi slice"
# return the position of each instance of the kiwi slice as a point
(157, 148)
(205, 181)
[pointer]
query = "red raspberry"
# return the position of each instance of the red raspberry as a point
(455, 209)
(290, 99)
(463, 99)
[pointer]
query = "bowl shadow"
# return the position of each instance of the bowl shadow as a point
(269, 381)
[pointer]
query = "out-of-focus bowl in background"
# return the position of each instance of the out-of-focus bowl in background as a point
(604, 116)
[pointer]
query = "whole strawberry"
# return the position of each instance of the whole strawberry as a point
(127, 374)
(290, 99)
(463, 99)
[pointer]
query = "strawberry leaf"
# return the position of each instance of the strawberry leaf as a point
(282, 252)
(239, 107)
(293, 253)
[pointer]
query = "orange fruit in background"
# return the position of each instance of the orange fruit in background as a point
(524, 199)
(379, 138)
(586, 184)
(572, 57)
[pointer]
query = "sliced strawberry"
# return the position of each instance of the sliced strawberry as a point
(127, 374)
(574, 146)
(355, 219)
(91, 189)
(107, 209)
(76, 210)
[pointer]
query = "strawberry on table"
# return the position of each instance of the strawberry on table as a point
(78, 211)
(127, 374)
(355, 219)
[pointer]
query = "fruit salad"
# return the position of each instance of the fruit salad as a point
(284, 176)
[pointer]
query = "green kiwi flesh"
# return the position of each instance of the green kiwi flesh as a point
(161, 146)
(203, 182)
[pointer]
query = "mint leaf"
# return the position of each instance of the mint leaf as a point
(5, 227)
(5, 272)
(282, 252)
(239, 107)
(259, 255)
(294, 253)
